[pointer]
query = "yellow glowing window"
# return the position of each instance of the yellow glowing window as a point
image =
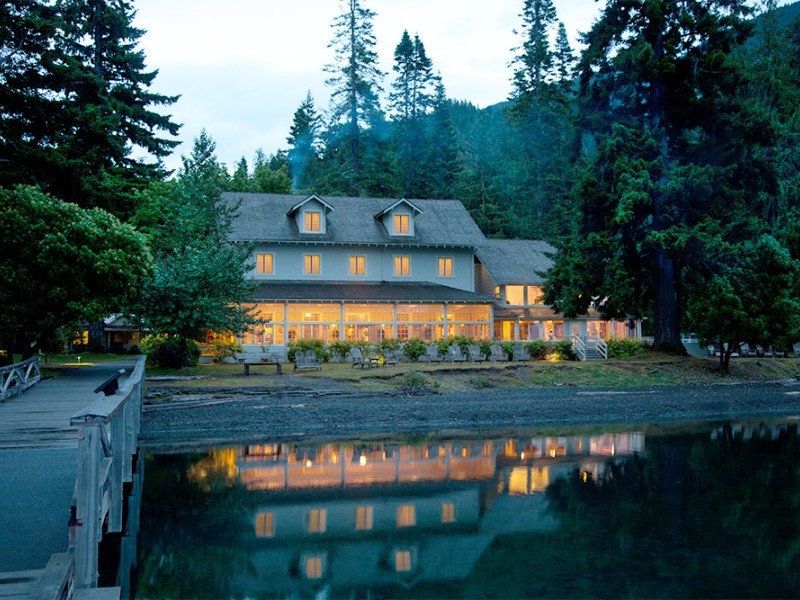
(317, 520)
(311, 264)
(448, 512)
(515, 295)
(313, 220)
(445, 267)
(264, 264)
(314, 566)
(265, 524)
(402, 561)
(406, 515)
(400, 224)
(402, 266)
(357, 265)
(364, 518)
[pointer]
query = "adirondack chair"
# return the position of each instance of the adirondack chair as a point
(475, 354)
(712, 350)
(307, 360)
(746, 351)
(765, 353)
(391, 357)
(497, 354)
(520, 353)
(358, 359)
(454, 354)
(778, 353)
(432, 353)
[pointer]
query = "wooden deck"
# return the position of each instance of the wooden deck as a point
(38, 467)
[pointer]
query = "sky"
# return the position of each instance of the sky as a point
(243, 67)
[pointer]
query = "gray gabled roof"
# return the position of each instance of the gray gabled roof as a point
(512, 262)
(378, 291)
(264, 218)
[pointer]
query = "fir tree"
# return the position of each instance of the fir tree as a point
(303, 145)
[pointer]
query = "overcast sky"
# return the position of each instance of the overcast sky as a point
(242, 67)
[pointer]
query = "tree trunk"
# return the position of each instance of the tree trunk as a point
(665, 306)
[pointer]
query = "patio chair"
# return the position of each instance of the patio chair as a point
(432, 353)
(778, 353)
(520, 353)
(358, 359)
(391, 357)
(497, 354)
(765, 353)
(746, 351)
(475, 354)
(712, 350)
(454, 354)
(307, 360)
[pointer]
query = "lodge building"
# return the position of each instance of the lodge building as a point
(367, 269)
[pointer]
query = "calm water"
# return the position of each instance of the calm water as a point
(703, 511)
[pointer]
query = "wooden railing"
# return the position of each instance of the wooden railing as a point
(108, 435)
(579, 347)
(16, 378)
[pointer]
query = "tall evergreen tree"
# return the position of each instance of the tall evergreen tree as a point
(534, 62)
(442, 148)
(677, 147)
(303, 142)
(356, 82)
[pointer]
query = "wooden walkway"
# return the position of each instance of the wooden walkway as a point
(38, 468)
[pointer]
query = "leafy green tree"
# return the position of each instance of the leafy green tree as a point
(62, 265)
(200, 278)
(676, 143)
(80, 103)
(270, 176)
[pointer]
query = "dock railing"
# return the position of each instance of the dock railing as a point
(108, 433)
(16, 378)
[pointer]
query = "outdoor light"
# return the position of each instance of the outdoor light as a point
(362, 460)
(308, 463)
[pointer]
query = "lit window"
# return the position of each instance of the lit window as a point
(357, 264)
(400, 224)
(402, 266)
(445, 267)
(313, 221)
(317, 520)
(264, 264)
(406, 515)
(448, 512)
(311, 264)
(515, 295)
(402, 561)
(364, 518)
(315, 566)
(265, 524)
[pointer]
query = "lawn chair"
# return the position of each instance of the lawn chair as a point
(765, 353)
(712, 351)
(520, 353)
(358, 359)
(475, 354)
(454, 354)
(390, 357)
(746, 351)
(432, 353)
(307, 360)
(497, 353)
(778, 353)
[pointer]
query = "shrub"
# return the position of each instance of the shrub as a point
(620, 347)
(462, 340)
(171, 351)
(481, 383)
(340, 349)
(562, 350)
(414, 348)
(221, 349)
(414, 380)
(390, 344)
(318, 346)
(538, 349)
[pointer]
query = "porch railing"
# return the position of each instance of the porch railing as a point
(16, 378)
(579, 347)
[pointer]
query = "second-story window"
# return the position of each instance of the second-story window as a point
(313, 221)
(402, 266)
(311, 264)
(357, 265)
(445, 267)
(264, 264)
(401, 224)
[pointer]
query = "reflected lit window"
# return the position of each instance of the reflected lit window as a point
(265, 524)
(406, 516)
(403, 561)
(314, 566)
(448, 512)
(363, 518)
(317, 520)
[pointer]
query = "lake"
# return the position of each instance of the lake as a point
(706, 510)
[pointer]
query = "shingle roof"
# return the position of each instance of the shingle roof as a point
(516, 261)
(263, 217)
(382, 291)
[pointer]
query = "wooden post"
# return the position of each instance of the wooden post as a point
(88, 495)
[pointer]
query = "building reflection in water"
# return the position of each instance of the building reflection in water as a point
(355, 516)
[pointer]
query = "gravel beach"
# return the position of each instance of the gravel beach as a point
(200, 418)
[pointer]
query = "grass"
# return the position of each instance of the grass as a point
(643, 370)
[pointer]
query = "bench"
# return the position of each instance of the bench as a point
(247, 366)
(306, 360)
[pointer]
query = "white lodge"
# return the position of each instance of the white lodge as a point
(366, 269)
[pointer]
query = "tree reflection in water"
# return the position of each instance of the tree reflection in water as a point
(696, 515)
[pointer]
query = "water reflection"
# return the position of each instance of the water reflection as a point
(503, 516)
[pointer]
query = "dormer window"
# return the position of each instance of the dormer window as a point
(401, 224)
(313, 220)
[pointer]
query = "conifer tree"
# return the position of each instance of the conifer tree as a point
(303, 143)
